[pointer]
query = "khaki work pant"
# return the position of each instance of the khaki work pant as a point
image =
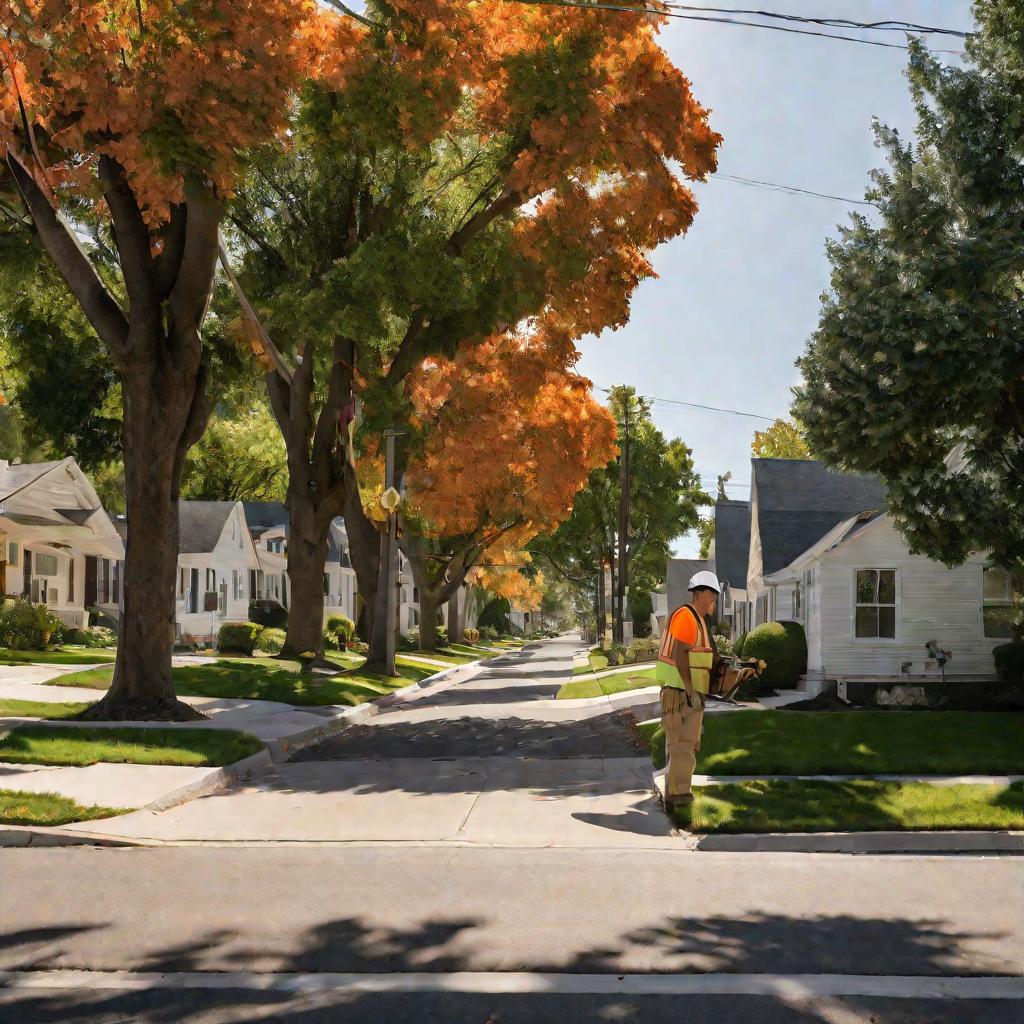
(682, 724)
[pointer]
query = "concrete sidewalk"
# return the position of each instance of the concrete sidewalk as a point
(283, 728)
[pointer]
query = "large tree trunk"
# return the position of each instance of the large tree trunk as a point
(154, 449)
(457, 617)
(429, 605)
(364, 549)
(307, 553)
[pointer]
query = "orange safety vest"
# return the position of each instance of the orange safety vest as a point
(700, 658)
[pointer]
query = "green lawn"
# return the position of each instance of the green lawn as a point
(38, 709)
(861, 806)
(267, 679)
(57, 656)
(856, 743)
(17, 808)
(196, 748)
(594, 687)
(448, 655)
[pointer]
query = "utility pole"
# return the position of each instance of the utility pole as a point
(387, 578)
(623, 573)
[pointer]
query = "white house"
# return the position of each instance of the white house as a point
(217, 562)
(730, 550)
(57, 544)
(823, 552)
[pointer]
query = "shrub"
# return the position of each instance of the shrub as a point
(342, 628)
(737, 647)
(783, 646)
(330, 641)
(616, 655)
(488, 633)
(642, 649)
(1009, 660)
(495, 613)
(238, 637)
(27, 627)
(724, 644)
(441, 636)
(95, 636)
(408, 642)
(270, 640)
(472, 635)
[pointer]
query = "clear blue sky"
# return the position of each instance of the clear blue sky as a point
(738, 296)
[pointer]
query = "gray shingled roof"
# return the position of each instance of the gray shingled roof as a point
(678, 575)
(265, 515)
(732, 542)
(800, 500)
(14, 478)
(200, 524)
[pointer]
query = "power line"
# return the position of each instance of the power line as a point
(773, 186)
(676, 11)
(705, 408)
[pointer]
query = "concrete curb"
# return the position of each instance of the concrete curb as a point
(273, 752)
(862, 842)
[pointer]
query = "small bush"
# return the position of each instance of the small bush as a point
(441, 636)
(724, 644)
(95, 636)
(642, 649)
(408, 642)
(270, 641)
(28, 627)
(330, 641)
(488, 633)
(1009, 660)
(238, 637)
(472, 635)
(342, 628)
(737, 647)
(783, 646)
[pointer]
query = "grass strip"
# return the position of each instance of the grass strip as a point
(268, 679)
(18, 808)
(57, 656)
(857, 806)
(194, 748)
(857, 743)
(593, 687)
(39, 709)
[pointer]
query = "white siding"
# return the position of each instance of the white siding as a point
(934, 603)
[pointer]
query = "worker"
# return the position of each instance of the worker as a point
(688, 668)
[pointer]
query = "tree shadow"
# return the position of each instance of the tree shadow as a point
(751, 944)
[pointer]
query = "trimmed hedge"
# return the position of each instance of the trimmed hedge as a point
(238, 637)
(342, 629)
(1009, 660)
(783, 646)
(270, 641)
(28, 627)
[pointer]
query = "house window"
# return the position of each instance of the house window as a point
(222, 598)
(875, 615)
(798, 604)
(115, 586)
(46, 565)
(71, 581)
(12, 554)
(1001, 603)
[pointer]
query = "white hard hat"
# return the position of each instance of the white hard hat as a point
(705, 579)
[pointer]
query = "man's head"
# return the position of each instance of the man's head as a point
(704, 590)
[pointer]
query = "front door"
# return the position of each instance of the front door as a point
(89, 593)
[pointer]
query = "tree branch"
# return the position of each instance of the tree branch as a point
(168, 262)
(103, 313)
(339, 6)
(506, 202)
(339, 392)
(132, 237)
(191, 292)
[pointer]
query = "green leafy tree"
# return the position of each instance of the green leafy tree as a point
(706, 534)
(915, 369)
(665, 495)
(782, 440)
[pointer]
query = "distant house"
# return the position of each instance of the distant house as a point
(58, 546)
(216, 565)
(824, 552)
(269, 524)
(731, 547)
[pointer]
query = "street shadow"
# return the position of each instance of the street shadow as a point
(648, 819)
(751, 944)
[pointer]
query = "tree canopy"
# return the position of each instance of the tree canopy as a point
(915, 369)
(782, 440)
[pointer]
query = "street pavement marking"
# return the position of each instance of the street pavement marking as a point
(784, 986)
